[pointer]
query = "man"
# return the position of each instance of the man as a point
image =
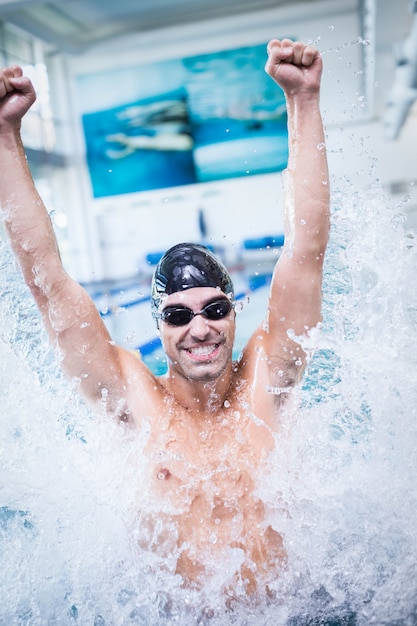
(212, 423)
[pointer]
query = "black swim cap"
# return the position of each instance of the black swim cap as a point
(188, 265)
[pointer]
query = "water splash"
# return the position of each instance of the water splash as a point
(342, 489)
(354, 449)
(345, 44)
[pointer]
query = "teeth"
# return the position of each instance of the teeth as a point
(202, 350)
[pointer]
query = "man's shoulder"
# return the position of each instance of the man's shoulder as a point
(144, 392)
(133, 367)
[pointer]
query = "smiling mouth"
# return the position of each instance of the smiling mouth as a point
(203, 352)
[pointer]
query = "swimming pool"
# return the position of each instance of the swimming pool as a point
(342, 481)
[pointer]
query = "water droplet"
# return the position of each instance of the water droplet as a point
(131, 337)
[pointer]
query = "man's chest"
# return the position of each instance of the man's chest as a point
(213, 465)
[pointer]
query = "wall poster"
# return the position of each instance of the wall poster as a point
(177, 122)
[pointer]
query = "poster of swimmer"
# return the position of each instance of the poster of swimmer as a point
(185, 121)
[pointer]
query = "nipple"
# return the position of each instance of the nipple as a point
(163, 474)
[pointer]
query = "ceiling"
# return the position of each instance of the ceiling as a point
(75, 25)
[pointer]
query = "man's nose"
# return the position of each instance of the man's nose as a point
(199, 327)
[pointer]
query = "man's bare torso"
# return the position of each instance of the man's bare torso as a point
(203, 472)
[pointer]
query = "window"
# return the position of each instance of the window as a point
(16, 47)
(39, 127)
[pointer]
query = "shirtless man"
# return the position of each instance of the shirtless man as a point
(211, 423)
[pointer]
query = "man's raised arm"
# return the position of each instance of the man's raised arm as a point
(70, 316)
(295, 299)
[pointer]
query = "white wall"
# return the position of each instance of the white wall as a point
(123, 229)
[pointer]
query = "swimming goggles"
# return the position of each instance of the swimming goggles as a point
(182, 315)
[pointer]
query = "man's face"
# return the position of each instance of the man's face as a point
(201, 350)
